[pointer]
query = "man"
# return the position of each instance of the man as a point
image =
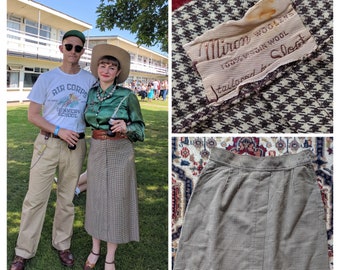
(157, 89)
(57, 103)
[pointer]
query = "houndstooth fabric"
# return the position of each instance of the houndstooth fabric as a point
(111, 198)
(190, 156)
(295, 98)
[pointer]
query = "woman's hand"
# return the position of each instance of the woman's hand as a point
(119, 126)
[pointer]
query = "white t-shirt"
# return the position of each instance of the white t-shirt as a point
(155, 85)
(63, 97)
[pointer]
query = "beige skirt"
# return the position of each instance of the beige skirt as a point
(112, 202)
(249, 213)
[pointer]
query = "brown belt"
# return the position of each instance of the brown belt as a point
(100, 134)
(51, 135)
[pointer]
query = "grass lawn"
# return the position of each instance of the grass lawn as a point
(152, 174)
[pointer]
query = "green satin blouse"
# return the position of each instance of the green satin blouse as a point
(98, 113)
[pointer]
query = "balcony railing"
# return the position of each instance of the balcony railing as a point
(135, 66)
(30, 46)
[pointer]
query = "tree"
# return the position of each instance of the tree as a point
(147, 19)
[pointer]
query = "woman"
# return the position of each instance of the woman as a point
(111, 204)
(151, 92)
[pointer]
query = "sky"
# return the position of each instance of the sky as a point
(85, 10)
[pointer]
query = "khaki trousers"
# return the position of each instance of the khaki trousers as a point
(48, 155)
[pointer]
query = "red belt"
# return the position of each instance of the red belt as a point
(100, 134)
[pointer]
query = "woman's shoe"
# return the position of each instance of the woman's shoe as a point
(88, 265)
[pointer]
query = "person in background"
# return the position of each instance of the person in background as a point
(165, 89)
(57, 103)
(113, 112)
(151, 92)
(157, 88)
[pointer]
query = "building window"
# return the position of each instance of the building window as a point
(61, 35)
(30, 79)
(45, 32)
(157, 63)
(13, 24)
(31, 74)
(33, 30)
(140, 59)
(13, 75)
(12, 79)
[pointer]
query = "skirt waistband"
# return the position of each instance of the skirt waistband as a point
(288, 161)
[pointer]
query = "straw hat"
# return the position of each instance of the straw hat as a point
(123, 57)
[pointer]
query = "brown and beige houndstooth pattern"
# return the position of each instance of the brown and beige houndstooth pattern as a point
(111, 199)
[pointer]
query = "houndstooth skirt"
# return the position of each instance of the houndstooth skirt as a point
(249, 213)
(112, 202)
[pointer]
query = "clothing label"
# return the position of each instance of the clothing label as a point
(235, 53)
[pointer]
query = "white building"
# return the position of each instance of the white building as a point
(34, 33)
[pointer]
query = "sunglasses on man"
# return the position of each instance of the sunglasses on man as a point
(77, 48)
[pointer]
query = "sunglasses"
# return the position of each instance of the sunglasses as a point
(77, 48)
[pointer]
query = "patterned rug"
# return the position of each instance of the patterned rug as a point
(190, 155)
(295, 98)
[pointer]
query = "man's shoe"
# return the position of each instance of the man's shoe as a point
(18, 263)
(66, 257)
